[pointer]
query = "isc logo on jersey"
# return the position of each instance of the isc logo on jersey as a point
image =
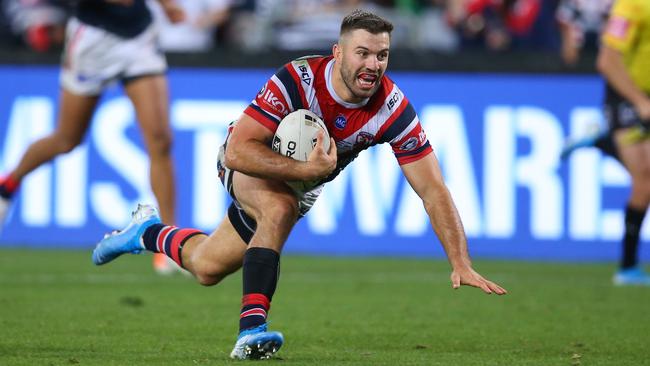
(393, 101)
(296, 137)
(302, 67)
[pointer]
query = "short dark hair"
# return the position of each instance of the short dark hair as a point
(361, 19)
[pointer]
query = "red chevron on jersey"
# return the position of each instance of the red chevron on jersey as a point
(387, 116)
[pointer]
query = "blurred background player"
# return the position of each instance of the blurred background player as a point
(110, 40)
(349, 90)
(580, 23)
(624, 61)
(198, 31)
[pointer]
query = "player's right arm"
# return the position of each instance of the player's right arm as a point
(248, 152)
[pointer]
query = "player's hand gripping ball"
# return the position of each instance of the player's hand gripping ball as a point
(296, 138)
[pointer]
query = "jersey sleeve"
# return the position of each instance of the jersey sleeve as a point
(278, 97)
(623, 26)
(402, 129)
(411, 144)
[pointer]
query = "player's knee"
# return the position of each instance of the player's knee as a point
(210, 274)
(206, 280)
(160, 144)
(283, 212)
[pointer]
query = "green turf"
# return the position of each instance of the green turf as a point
(58, 309)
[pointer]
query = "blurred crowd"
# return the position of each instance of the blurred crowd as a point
(563, 26)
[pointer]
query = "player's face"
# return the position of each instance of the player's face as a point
(363, 58)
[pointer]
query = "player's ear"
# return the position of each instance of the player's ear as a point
(336, 51)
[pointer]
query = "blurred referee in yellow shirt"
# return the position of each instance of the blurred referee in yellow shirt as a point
(624, 61)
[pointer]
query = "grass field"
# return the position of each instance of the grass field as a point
(58, 309)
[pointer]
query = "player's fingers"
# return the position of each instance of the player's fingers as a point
(496, 288)
(319, 140)
(332, 152)
(482, 284)
(455, 281)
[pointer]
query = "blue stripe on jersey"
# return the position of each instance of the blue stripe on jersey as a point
(290, 85)
(413, 152)
(398, 126)
(265, 113)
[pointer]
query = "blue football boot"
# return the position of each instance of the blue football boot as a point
(128, 240)
(634, 276)
(586, 141)
(256, 344)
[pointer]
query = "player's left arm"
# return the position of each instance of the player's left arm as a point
(426, 179)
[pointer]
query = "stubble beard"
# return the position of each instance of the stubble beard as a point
(350, 79)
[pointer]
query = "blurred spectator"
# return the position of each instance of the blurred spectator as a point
(432, 27)
(198, 32)
(312, 24)
(39, 24)
(581, 22)
(250, 26)
(495, 24)
(294, 24)
(441, 25)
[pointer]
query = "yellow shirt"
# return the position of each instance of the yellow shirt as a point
(628, 31)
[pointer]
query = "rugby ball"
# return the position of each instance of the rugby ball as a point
(296, 135)
(296, 138)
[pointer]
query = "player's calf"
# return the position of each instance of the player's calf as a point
(168, 240)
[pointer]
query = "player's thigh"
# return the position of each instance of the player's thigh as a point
(265, 199)
(75, 114)
(150, 100)
(635, 157)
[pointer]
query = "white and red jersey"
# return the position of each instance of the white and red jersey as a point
(387, 116)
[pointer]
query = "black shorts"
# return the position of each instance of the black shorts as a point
(620, 113)
(243, 224)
